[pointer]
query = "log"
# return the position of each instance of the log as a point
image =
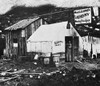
(39, 73)
(16, 72)
(5, 73)
(31, 73)
(79, 61)
(8, 79)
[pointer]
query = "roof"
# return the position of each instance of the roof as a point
(51, 38)
(50, 32)
(21, 24)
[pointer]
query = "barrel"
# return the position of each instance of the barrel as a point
(56, 60)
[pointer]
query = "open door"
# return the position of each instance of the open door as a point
(75, 47)
(22, 46)
(71, 48)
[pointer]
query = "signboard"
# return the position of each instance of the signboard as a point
(96, 11)
(82, 16)
(58, 43)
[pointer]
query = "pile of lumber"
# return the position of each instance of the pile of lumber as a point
(87, 65)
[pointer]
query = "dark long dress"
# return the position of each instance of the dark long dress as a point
(69, 50)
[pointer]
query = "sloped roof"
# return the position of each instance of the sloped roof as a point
(50, 32)
(21, 24)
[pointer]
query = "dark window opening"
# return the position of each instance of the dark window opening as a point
(15, 40)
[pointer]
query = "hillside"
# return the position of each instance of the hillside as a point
(51, 14)
(21, 12)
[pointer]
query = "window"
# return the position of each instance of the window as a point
(15, 40)
(23, 33)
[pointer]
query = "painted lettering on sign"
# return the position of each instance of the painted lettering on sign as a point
(82, 16)
(58, 43)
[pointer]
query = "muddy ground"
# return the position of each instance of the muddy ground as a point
(13, 73)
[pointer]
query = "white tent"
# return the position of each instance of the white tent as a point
(51, 38)
(95, 41)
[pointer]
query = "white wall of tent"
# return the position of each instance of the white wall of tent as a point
(51, 39)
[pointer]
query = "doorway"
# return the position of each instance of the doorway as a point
(71, 48)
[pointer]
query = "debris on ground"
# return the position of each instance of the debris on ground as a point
(78, 73)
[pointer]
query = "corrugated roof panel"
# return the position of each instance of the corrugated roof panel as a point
(21, 24)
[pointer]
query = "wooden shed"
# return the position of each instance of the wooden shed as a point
(17, 34)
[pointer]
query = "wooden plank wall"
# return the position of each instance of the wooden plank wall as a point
(22, 46)
(22, 49)
(34, 26)
(14, 50)
(8, 44)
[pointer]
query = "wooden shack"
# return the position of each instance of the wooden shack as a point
(17, 34)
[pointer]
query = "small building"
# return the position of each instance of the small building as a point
(17, 34)
(61, 39)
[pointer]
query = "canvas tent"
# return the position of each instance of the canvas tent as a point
(51, 38)
(92, 43)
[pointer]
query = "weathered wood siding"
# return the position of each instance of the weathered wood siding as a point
(22, 46)
(21, 39)
(33, 27)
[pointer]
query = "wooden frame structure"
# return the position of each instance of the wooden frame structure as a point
(17, 34)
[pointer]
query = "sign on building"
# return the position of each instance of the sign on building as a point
(82, 16)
